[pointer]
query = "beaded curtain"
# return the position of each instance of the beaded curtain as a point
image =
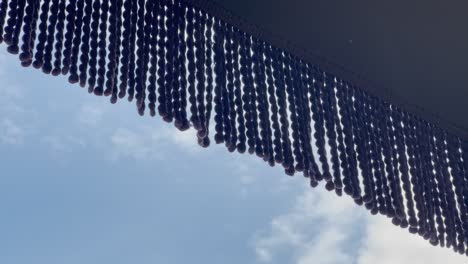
(191, 68)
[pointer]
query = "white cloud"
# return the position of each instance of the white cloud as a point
(387, 244)
(186, 140)
(316, 230)
(323, 229)
(11, 133)
(326, 249)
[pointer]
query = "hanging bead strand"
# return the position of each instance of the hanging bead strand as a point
(124, 61)
(99, 90)
(182, 123)
(57, 69)
(232, 142)
(370, 197)
(351, 113)
(13, 10)
(203, 138)
(302, 102)
(84, 56)
(288, 162)
(26, 54)
(140, 82)
(246, 93)
(47, 66)
(71, 10)
(42, 37)
(343, 129)
(298, 162)
(169, 60)
(251, 83)
(3, 15)
(262, 101)
(241, 145)
(94, 45)
(194, 119)
(200, 70)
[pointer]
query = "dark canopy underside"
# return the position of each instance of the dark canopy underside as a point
(414, 51)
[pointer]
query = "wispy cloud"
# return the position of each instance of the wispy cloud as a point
(3, 61)
(62, 144)
(15, 117)
(137, 145)
(11, 133)
(92, 114)
(151, 143)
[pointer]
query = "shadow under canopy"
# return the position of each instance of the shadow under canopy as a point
(369, 98)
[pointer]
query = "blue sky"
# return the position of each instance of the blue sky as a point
(84, 181)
